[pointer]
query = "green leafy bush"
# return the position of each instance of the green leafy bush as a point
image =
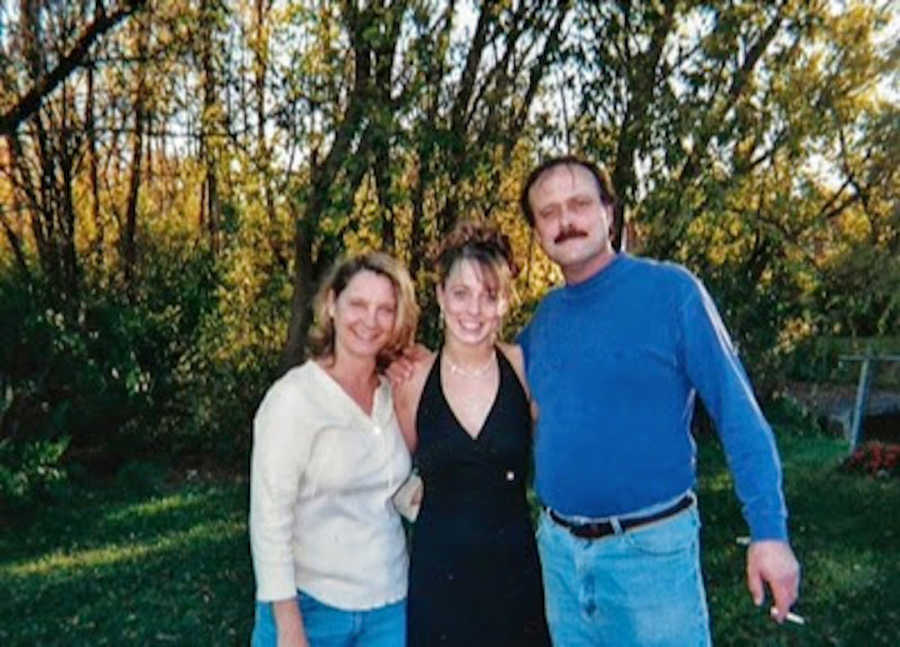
(99, 369)
(788, 414)
(30, 469)
(141, 477)
(166, 369)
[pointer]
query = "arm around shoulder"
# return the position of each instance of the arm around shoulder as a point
(516, 357)
(406, 396)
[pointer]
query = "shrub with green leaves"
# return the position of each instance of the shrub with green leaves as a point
(99, 369)
(29, 469)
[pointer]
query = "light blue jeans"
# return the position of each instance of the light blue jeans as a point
(328, 626)
(642, 587)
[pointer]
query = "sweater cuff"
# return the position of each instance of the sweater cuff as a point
(274, 582)
(768, 527)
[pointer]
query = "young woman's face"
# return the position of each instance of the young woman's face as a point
(364, 314)
(472, 303)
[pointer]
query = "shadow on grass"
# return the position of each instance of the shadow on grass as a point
(173, 570)
(96, 521)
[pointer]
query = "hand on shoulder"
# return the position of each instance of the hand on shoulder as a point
(516, 357)
(407, 390)
(403, 368)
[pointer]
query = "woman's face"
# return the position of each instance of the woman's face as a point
(364, 314)
(472, 303)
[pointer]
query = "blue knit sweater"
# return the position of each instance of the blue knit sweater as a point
(614, 364)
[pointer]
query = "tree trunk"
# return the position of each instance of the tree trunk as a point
(129, 244)
(294, 350)
(98, 242)
(66, 210)
(15, 242)
(209, 151)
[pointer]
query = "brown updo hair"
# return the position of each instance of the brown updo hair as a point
(320, 340)
(482, 243)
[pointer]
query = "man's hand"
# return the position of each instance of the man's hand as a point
(772, 562)
(401, 369)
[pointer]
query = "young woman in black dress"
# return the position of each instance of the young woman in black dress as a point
(474, 571)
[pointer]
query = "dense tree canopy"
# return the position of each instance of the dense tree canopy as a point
(186, 170)
(756, 144)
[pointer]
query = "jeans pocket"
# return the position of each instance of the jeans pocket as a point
(669, 536)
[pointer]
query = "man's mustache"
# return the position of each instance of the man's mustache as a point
(566, 234)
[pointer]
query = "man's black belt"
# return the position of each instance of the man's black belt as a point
(597, 529)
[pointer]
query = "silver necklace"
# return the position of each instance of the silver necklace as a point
(469, 372)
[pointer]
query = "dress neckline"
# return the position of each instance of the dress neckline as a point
(476, 437)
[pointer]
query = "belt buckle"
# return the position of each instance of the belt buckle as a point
(592, 530)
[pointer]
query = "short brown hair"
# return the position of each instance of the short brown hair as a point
(320, 340)
(604, 183)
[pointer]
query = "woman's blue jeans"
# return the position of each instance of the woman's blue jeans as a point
(642, 587)
(328, 626)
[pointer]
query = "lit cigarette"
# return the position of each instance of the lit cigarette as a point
(790, 617)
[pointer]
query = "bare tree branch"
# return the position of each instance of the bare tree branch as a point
(29, 103)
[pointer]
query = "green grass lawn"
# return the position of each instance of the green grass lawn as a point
(845, 530)
(173, 568)
(114, 568)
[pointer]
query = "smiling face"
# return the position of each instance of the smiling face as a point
(472, 302)
(572, 221)
(364, 314)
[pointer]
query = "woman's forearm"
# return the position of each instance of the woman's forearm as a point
(289, 624)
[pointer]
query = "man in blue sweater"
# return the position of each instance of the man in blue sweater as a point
(615, 359)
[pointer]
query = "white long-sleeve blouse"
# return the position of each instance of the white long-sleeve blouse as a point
(322, 474)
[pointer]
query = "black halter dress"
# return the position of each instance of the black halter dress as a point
(474, 573)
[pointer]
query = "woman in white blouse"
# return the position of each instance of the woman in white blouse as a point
(328, 547)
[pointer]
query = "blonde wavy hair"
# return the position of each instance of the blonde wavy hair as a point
(320, 340)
